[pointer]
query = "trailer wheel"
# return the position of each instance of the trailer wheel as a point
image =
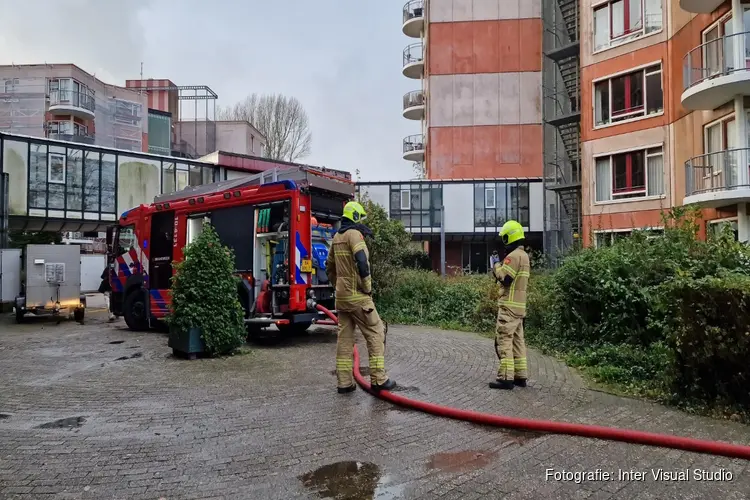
(78, 314)
(135, 311)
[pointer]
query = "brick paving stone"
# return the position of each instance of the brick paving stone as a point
(250, 426)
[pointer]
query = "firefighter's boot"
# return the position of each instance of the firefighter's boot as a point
(502, 384)
(520, 382)
(388, 385)
(346, 390)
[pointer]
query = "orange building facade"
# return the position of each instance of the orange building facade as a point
(479, 105)
(661, 84)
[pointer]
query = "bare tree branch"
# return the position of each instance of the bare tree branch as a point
(282, 120)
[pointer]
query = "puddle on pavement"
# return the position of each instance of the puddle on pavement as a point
(351, 481)
(461, 461)
(117, 342)
(63, 423)
(513, 436)
(406, 388)
(3, 416)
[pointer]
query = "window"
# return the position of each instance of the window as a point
(405, 203)
(633, 174)
(195, 227)
(125, 239)
(10, 85)
(629, 96)
(56, 168)
(718, 48)
(717, 227)
(621, 21)
(496, 203)
(489, 197)
(608, 238)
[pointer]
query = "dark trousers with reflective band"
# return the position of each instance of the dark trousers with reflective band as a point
(366, 317)
(510, 346)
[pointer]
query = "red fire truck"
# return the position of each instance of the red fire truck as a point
(279, 223)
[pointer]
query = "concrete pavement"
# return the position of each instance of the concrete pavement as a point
(99, 412)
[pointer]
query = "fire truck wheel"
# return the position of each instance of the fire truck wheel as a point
(294, 329)
(135, 311)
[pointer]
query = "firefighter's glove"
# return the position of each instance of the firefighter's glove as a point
(495, 259)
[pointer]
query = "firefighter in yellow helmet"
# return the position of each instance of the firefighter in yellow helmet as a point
(348, 267)
(512, 273)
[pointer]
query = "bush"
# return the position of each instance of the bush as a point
(708, 332)
(204, 294)
(663, 316)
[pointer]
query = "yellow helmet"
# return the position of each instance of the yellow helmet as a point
(511, 232)
(354, 211)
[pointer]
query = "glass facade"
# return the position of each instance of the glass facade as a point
(497, 202)
(159, 133)
(79, 182)
(416, 205)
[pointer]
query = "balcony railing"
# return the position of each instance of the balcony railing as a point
(413, 143)
(716, 58)
(80, 138)
(72, 98)
(717, 172)
(413, 98)
(414, 53)
(413, 10)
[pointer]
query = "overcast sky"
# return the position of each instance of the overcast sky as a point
(341, 59)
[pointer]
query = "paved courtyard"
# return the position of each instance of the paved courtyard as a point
(99, 412)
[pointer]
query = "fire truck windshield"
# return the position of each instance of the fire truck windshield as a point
(125, 240)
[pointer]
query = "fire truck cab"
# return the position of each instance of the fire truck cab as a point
(279, 223)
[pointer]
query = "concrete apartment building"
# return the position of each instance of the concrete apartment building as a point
(662, 82)
(64, 102)
(478, 102)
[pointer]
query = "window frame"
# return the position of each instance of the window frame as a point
(627, 232)
(64, 158)
(401, 199)
(626, 196)
(629, 116)
(492, 190)
(627, 36)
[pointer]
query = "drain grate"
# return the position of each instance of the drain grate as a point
(64, 423)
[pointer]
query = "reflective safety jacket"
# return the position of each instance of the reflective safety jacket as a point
(513, 275)
(348, 267)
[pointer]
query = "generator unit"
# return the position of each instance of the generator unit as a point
(51, 283)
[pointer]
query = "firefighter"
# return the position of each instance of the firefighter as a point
(348, 267)
(512, 273)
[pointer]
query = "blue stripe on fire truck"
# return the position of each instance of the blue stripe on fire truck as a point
(301, 254)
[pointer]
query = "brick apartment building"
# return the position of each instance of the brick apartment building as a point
(662, 85)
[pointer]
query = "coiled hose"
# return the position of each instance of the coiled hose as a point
(548, 426)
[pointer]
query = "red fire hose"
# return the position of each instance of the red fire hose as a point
(592, 431)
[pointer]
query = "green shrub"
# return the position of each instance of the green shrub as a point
(709, 333)
(204, 294)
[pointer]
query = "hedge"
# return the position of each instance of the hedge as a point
(663, 316)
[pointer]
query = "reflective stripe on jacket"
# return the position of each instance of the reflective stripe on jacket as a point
(516, 266)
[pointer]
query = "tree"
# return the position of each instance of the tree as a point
(282, 121)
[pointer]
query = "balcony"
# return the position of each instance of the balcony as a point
(414, 104)
(715, 72)
(413, 18)
(414, 148)
(68, 102)
(79, 138)
(717, 179)
(700, 6)
(414, 61)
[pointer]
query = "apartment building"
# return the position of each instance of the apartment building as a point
(661, 84)
(476, 68)
(64, 102)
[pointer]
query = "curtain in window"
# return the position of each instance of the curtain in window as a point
(601, 28)
(603, 184)
(655, 173)
(601, 102)
(618, 18)
(653, 15)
